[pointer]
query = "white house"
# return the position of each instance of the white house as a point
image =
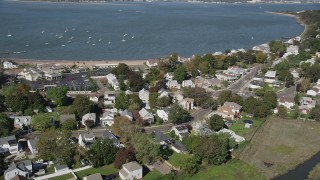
(188, 83)
(187, 103)
(131, 171)
(313, 92)
(22, 168)
(307, 101)
(30, 74)
(293, 50)
(107, 118)
(235, 71)
(270, 77)
(94, 98)
(109, 98)
(88, 116)
(232, 134)
(163, 114)
(146, 116)
(287, 102)
(8, 143)
(144, 96)
(177, 97)
(295, 74)
(152, 62)
(265, 48)
(19, 121)
(9, 65)
(127, 114)
(181, 131)
(113, 81)
(173, 84)
(163, 93)
(169, 76)
(33, 145)
(86, 139)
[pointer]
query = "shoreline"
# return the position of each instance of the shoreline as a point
(87, 63)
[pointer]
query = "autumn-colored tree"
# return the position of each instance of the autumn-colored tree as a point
(124, 155)
(124, 128)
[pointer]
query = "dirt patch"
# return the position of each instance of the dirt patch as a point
(281, 144)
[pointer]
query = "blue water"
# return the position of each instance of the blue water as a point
(158, 29)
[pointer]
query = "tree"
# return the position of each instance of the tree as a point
(189, 166)
(3, 164)
(261, 57)
(153, 99)
(200, 96)
(47, 145)
(153, 75)
(305, 84)
(178, 115)
(270, 99)
(69, 124)
(124, 128)
(277, 47)
(282, 111)
(82, 105)
(121, 69)
(6, 125)
(261, 110)
(147, 149)
(58, 95)
(213, 149)
(250, 104)
(65, 151)
(191, 143)
(136, 82)
(164, 101)
(41, 121)
(102, 152)
(180, 74)
(16, 103)
(225, 96)
(315, 113)
(135, 102)
(297, 98)
(2, 105)
(122, 101)
(216, 122)
(36, 101)
(124, 155)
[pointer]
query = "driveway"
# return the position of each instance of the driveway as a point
(162, 167)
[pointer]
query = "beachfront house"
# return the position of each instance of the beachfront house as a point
(9, 65)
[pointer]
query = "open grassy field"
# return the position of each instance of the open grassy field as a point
(104, 170)
(175, 158)
(232, 170)
(281, 144)
(152, 175)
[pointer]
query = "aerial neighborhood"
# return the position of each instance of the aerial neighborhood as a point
(167, 117)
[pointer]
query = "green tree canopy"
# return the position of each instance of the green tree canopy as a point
(43, 121)
(69, 124)
(6, 125)
(122, 101)
(82, 105)
(216, 122)
(178, 115)
(180, 74)
(282, 111)
(102, 152)
(147, 149)
(58, 95)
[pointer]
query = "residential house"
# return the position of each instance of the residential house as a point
(187, 103)
(8, 144)
(109, 135)
(107, 118)
(181, 131)
(163, 114)
(152, 62)
(30, 74)
(292, 49)
(177, 96)
(235, 71)
(33, 145)
(304, 109)
(96, 176)
(131, 171)
(270, 77)
(9, 65)
(188, 83)
(163, 93)
(22, 168)
(128, 92)
(127, 114)
(295, 74)
(90, 117)
(20, 121)
(201, 128)
(313, 92)
(173, 84)
(225, 77)
(146, 116)
(229, 110)
(161, 138)
(307, 101)
(169, 76)
(86, 139)
(109, 98)
(265, 48)
(113, 81)
(206, 83)
(144, 96)
(233, 135)
(94, 98)
(179, 147)
(286, 101)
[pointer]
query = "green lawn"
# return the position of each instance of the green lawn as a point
(152, 175)
(238, 126)
(104, 170)
(234, 169)
(49, 170)
(175, 158)
(63, 177)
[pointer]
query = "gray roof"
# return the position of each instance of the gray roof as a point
(8, 140)
(34, 142)
(109, 135)
(23, 164)
(179, 146)
(160, 136)
(126, 113)
(88, 135)
(96, 176)
(132, 166)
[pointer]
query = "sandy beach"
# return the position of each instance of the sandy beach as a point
(80, 63)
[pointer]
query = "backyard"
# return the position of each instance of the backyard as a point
(152, 175)
(281, 144)
(104, 170)
(239, 129)
(175, 158)
(63, 177)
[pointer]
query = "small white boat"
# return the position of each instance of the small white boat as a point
(66, 30)
(88, 42)
(109, 42)
(89, 37)
(46, 43)
(63, 45)
(27, 44)
(69, 41)
(93, 44)
(9, 34)
(42, 31)
(100, 39)
(123, 40)
(73, 29)
(60, 37)
(132, 37)
(87, 31)
(71, 37)
(251, 37)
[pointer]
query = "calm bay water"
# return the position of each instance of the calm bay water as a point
(71, 31)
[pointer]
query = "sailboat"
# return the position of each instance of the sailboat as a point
(132, 36)
(27, 44)
(42, 31)
(9, 34)
(100, 39)
(66, 30)
(123, 40)
(63, 45)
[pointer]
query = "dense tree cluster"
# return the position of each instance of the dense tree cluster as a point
(124, 101)
(82, 105)
(58, 95)
(147, 149)
(178, 115)
(102, 152)
(124, 128)
(200, 96)
(124, 155)
(6, 125)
